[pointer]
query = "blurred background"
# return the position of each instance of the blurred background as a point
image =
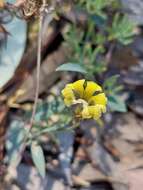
(99, 40)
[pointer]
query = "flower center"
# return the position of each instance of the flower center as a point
(81, 101)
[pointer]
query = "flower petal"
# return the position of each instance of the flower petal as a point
(98, 99)
(90, 89)
(78, 87)
(82, 94)
(93, 112)
(68, 101)
(68, 94)
(96, 111)
(85, 113)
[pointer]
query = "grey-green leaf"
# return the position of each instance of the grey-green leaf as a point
(71, 67)
(38, 158)
(116, 104)
(14, 141)
(111, 81)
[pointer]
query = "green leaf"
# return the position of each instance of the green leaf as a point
(38, 158)
(111, 81)
(122, 29)
(49, 129)
(71, 67)
(14, 141)
(116, 104)
(96, 7)
(46, 109)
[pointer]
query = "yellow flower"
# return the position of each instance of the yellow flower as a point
(88, 97)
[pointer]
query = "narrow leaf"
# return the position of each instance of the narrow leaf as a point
(71, 67)
(38, 158)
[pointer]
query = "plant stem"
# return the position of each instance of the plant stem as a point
(38, 71)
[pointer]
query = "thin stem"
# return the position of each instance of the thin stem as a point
(38, 71)
(29, 126)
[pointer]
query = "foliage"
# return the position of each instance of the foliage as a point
(96, 7)
(121, 29)
(90, 47)
(38, 158)
(14, 141)
(71, 67)
(50, 117)
(105, 27)
(112, 88)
